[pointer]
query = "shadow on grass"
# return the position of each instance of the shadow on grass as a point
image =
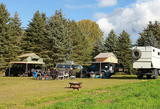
(127, 78)
(68, 87)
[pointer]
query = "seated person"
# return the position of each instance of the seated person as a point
(53, 74)
(35, 74)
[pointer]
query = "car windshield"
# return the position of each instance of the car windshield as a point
(63, 66)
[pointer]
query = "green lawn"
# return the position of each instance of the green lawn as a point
(25, 92)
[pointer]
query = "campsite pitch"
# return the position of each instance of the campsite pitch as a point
(21, 92)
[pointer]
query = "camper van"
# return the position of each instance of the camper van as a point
(146, 59)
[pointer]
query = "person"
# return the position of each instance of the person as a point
(35, 74)
(70, 72)
(48, 72)
(53, 74)
(66, 74)
(108, 71)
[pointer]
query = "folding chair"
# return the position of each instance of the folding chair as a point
(61, 75)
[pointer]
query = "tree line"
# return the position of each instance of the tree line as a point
(57, 39)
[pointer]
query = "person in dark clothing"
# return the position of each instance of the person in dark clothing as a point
(53, 74)
(71, 72)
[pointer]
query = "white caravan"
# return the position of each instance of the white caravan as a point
(147, 60)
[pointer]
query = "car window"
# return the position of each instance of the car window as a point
(66, 66)
(59, 66)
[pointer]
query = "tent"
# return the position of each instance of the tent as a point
(28, 62)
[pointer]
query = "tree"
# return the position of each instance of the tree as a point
(80, 44)
(124, 51)
(92, 31)
(16, 35)
(111, 42)
(60, 42)
(35, 39)
(150, 35)
(4, 36)
(99, 47)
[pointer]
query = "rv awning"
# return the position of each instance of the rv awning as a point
(25, 62)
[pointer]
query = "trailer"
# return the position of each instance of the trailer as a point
(146, 59)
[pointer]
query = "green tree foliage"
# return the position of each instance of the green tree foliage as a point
(150, 35)
(111, 42)
(99, 47)
(60, 42)
(5, 38)
(80, 44)
(35, 39)
(124, 51)
(92, 31)
(10, 33)
(16, 35)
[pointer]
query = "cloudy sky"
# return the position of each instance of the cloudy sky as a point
(129, 15)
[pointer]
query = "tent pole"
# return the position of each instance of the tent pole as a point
(81, 70)
(26, 67)
(100, 67)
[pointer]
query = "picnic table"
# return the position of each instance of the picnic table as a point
(75, 85)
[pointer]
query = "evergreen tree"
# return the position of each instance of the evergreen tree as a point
(124, 51)
(150, 35)
(35, 39)
(4, 36)
(99, 47)
(16, 36)
(60, 42)
(80, 44)
(111, 42)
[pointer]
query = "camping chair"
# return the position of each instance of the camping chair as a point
(61, 75)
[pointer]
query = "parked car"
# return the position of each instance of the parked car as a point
(99, 68)
(68, 65)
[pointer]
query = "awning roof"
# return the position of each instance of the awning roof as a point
(104, 55)
(27, 55)
(25, 62)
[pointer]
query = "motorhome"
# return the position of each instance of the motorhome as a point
(146, 59)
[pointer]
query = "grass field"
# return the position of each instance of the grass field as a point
(25, 92)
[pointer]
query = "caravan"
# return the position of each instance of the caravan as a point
(146, 59)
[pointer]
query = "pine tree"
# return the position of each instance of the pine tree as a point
(35, 39)
(16, 36)
(4, 36)
(60, 42)
(111, 42)
(150, 35)
(99, 47)
(124, 51)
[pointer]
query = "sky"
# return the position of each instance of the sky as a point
(129, 15)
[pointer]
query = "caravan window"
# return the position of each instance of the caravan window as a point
(153, 50)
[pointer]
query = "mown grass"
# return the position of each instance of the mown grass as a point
(25, 92)
(142, 95)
